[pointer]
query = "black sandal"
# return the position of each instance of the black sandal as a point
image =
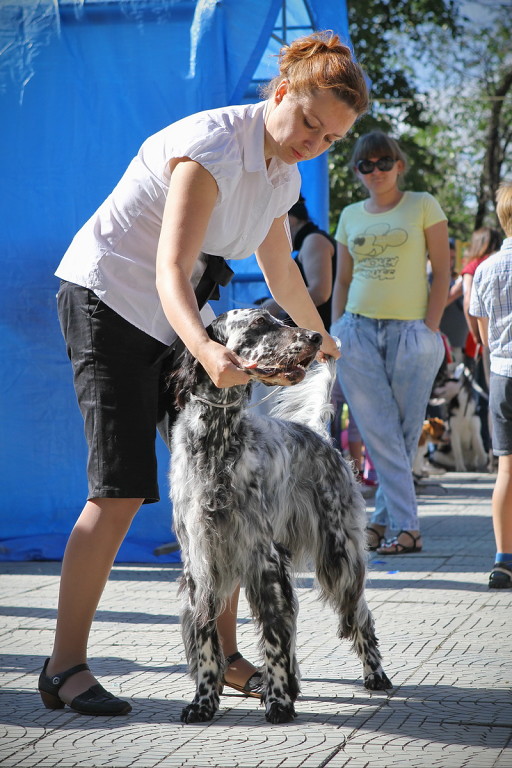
(253, 685)
(395, 548)
(501, 576)
(95, 701)
(380, 539)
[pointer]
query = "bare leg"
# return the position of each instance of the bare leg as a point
(502, 505)
(375, 535)
(90, 553)
(240, 671)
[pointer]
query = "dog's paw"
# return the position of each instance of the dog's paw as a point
(377, 681)
(280, 713)
(198, 712)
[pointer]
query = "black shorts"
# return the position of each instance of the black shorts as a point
(120, 377)
(500, 407)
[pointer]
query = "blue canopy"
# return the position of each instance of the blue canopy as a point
(82, 84)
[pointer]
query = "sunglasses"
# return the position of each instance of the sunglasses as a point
(383, 164)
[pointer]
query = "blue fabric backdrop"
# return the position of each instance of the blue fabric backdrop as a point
(81, 86)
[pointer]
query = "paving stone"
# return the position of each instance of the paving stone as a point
(444, 636)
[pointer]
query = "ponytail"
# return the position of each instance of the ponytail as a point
(321, 61)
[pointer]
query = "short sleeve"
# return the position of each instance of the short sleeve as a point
(217, 151)
(471, 267)
(341, 235)
(432, 211)
(201, 138)
(476, 306)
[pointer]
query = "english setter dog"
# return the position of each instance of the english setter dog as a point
(253, 495)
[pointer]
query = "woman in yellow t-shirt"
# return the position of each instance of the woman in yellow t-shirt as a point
(387, 318)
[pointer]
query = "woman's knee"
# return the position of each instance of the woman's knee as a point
(109, 513)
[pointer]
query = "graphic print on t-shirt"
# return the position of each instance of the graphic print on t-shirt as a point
(372, 249)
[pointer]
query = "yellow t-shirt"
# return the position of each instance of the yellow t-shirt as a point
(389, 278)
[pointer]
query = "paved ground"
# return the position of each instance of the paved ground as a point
(445, 637)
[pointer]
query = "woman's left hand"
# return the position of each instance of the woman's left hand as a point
(329, 348)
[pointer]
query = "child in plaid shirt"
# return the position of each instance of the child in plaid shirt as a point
(491, 304)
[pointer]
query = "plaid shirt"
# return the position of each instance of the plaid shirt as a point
(491, 297)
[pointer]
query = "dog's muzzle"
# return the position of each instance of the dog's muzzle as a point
(290, 371)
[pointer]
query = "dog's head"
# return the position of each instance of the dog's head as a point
(448, 386)
(277, 353)
(434, 431)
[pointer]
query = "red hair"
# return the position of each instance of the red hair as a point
(321, 61)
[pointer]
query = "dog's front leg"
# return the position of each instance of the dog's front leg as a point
(272, 599)
(208, 672)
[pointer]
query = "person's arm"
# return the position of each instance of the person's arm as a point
(344, 270)
(273, 307)
(439, 254)
(471, 321)
(190, 202)
(483, 327)
(315, 257)
(286, 285)
(455, 291)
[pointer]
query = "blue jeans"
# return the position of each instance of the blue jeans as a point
(386, 370)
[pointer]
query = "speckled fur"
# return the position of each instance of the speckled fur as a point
(254, 496)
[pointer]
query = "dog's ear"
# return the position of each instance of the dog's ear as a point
(183, 377)
(187, 373)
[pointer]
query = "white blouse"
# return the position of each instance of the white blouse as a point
(114, 254)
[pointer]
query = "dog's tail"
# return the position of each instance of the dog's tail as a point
(309, 402)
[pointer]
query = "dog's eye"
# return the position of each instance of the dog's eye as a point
(259, 321)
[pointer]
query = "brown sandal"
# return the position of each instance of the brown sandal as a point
(253, 685)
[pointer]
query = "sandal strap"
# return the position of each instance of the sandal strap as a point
(257, 682)
(59, 680)
(502, 568)
(415, 539)
(234, 657)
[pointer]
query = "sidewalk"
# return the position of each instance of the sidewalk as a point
(445, 638)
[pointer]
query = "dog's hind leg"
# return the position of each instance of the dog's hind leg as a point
(204, 657)
(271, 596)
(341, 574)
(458, 455)
(365, 643)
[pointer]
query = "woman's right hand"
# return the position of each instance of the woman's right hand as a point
(222, 365)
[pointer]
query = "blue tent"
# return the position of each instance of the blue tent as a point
(82, 84)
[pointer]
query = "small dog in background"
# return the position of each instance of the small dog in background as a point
(253, 495)
(457, 393)
(433, 433)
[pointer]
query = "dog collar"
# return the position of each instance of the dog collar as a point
(233, 404)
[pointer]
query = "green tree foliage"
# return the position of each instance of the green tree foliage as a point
(442, 84)
(388, 36)
(471, 104)
(486, 64)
